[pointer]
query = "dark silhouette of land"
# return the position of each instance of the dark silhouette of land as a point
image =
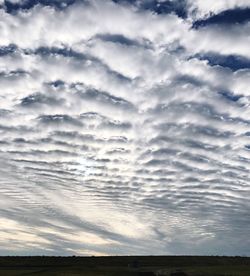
(126, 266)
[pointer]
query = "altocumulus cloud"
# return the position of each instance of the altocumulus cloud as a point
(124, 127)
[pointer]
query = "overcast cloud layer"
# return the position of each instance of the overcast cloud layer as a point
(124, 127)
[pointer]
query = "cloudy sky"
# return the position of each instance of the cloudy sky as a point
(124, 127)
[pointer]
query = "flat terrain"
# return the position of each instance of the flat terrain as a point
(125, 266)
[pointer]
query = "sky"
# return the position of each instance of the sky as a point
(124, 127)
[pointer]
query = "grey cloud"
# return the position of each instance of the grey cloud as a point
(104, 122)
(118, 39)
(4, 112)
(105, 98)
(12, 74)
(65, 52)
(58, 119)
(37, 99)
(6, 50)
(192, 129)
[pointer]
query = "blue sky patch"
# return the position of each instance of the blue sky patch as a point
(11, 7)
(230, 96)
(233, 62)
(177, 7)
(234, 16)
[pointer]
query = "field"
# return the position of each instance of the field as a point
(125, 266)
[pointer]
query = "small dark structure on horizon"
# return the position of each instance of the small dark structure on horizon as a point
(134, 264)
(146, 273)
(178, 273)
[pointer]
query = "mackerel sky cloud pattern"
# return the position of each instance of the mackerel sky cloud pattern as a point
(124, 127)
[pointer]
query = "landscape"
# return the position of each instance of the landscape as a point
(126, 266)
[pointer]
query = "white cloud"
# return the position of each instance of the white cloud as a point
(204, 8)
(222, 40)
(105, 108)
(43, 26)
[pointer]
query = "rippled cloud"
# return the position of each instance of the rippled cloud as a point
(124, 127)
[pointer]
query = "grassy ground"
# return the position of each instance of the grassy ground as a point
(118, 266)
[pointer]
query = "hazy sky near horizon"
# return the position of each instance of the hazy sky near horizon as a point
(124, 127)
